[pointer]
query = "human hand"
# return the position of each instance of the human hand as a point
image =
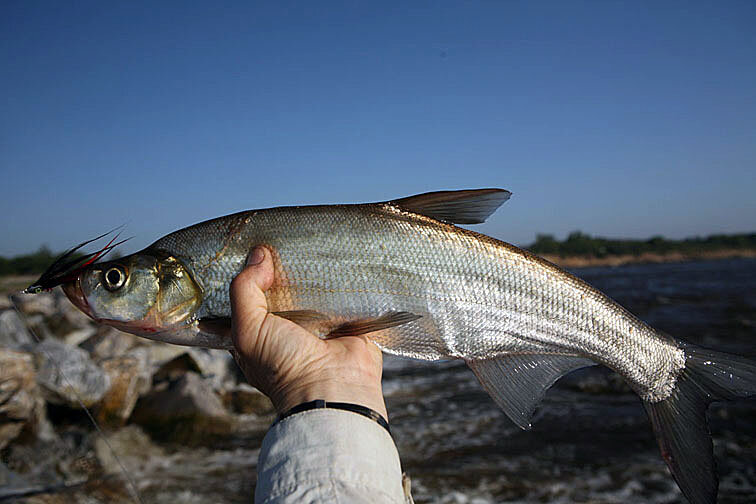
(291, 365)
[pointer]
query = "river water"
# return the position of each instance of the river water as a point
(591, 440)
(590, 443)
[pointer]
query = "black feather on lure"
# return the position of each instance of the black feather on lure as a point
(65, 268)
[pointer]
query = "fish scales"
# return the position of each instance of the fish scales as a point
(478, 297)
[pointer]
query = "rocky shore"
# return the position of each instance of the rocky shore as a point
(646, 258)
(153, 401)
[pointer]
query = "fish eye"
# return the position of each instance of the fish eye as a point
(114, 278)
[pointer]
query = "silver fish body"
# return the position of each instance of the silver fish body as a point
(477, 297)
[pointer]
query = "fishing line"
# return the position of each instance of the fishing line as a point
(134, 491)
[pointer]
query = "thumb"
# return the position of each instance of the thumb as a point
(249, 308)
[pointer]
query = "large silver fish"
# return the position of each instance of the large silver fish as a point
(403, 273)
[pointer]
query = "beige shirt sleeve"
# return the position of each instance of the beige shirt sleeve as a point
(328, 455)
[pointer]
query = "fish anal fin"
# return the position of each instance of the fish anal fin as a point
(372, 324)
(470, 206)
(518, 382)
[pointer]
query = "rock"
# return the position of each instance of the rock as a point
(106, 342)
(175, 368)
(5, 302)
(30, 304)
(37, 325)
(186, 410)
(77, 336)
(11, 483)
(13, 331)
(72, 317)
(19, 396)
(146, 369)
(132, 446)
(245, 399)
(118, 402)
(159, 352)
(67, 375)
(216, 365)
(213, 365)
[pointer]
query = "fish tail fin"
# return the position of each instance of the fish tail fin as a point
(679, 421)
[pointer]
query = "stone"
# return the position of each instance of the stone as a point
(72, 317)
(245, 399)
(38, 327)
(159, 352)
(215, 366)
(186, 410)
(30, 304)
(67, 375)
(77, 336)
(132, 446)
(105, 342)
(11, 483)
(118, 402)
(19, 396)
(173, 369)
(13, 331)
(146, 369)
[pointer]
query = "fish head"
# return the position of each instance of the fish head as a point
(145, 293)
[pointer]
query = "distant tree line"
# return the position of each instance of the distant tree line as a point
(582, 244)
(27, 264)
(35, 263)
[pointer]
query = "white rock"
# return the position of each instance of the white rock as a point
(76, 337)
(67, 375)
(13, 331)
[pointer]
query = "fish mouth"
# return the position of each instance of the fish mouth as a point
(74, 293)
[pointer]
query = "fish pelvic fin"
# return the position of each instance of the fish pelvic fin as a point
(517, 382)
(679, 421)
(469, 206)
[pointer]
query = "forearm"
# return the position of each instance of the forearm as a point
(328, 455)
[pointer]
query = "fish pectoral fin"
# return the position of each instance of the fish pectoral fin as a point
(302, 317)
(372, 324)
(518, 382)
(471, 206)
(320, 324)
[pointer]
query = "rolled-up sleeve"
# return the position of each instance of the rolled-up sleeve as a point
(328, 455)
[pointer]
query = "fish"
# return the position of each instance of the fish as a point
(406, 275)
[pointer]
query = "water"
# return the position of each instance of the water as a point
(591, 441)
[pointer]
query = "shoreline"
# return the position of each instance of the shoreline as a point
(647, 258)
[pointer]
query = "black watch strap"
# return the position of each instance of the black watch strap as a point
(321, 404)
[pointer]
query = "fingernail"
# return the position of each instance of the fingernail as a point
(256, 257)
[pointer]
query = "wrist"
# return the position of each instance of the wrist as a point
(363, 394)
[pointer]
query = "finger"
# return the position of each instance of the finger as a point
(249, 307)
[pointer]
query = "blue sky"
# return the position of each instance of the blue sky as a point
(620, 119)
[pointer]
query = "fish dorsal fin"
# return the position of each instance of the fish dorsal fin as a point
(518, 382)
(471, 206)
